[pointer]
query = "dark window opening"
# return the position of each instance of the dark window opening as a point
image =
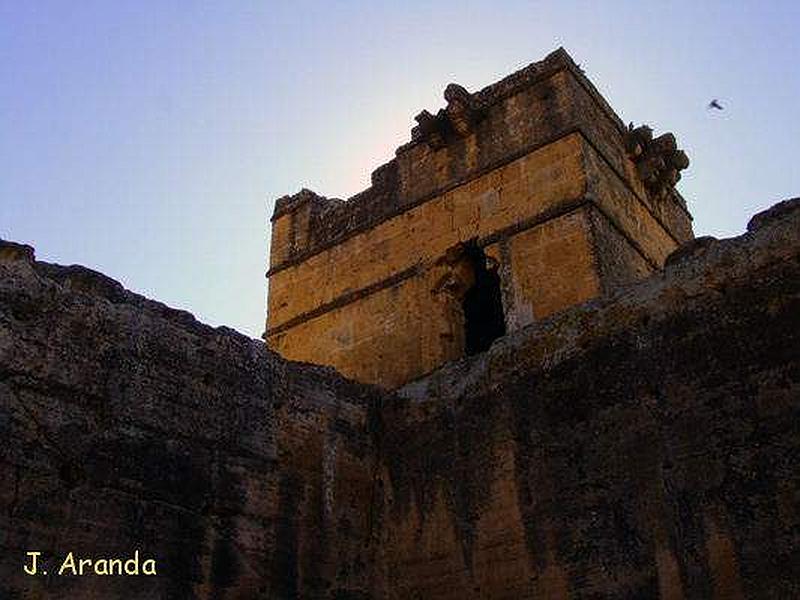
(483, 305)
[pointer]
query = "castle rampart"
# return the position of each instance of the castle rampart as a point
(536, 171)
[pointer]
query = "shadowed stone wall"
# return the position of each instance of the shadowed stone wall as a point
(644, 444)
(128, 425)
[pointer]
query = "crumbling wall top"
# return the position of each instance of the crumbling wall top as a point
(473, 134)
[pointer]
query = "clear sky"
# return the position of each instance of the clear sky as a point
(149, 139)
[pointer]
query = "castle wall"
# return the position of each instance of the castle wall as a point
(618, 260)
(127, 425)
(624, 207)
(353, 284)
(638, 446)
(525, 189)
(367, 306)
(323, 310)
(405, 330)
(545, 268)
(644, 444)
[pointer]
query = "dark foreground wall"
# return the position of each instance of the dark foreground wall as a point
(127, 425)
(643, 445)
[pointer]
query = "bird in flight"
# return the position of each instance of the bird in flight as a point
(715, 104)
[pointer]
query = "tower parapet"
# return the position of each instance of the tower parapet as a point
(535, 175)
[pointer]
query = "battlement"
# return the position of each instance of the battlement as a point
(532, 185)
(474, 134)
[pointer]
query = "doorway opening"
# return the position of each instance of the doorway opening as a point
(484, 321)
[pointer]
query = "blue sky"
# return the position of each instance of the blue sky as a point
(148, 140)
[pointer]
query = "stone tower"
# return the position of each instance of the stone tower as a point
(506, 206)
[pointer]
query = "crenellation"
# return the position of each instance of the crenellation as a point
(529, 109)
